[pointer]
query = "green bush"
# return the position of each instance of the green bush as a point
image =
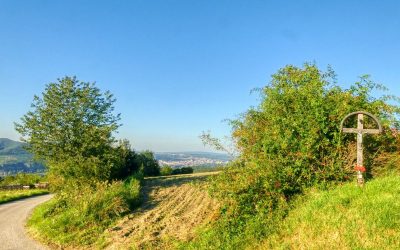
(183, 170)
(176, 171)
(186, 170)
(148, 164)
(290, 142)
(125, 161)
(22, 179)
(387, 162)
(166, 170)
(78, 215)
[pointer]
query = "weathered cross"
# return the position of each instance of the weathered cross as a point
(360, 130)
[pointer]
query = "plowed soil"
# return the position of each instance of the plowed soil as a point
(173, 208)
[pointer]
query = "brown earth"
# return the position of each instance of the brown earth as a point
(173, 208)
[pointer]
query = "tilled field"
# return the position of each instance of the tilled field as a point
(173, 208)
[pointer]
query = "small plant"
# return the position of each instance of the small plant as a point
(166, 170)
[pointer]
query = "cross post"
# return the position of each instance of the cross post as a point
(360, 131)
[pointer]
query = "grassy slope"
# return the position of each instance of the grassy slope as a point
(12, 195)
(347, 217)
(77, 218)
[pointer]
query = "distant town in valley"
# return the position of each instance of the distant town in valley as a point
(192, 159)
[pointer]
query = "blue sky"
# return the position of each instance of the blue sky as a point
(180, 67)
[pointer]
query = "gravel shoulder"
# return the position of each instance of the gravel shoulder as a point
(13, 217)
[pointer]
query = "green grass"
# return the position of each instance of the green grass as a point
(344, 217)
(79, 216)
(347, 217)
(12, 195)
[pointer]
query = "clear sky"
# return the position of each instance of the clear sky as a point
(180, 67)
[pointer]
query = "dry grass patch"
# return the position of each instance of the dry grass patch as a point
(173, 208)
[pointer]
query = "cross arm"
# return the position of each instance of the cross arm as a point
(365, 113)
(363, 131)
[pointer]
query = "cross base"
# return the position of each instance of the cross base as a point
(360, 178)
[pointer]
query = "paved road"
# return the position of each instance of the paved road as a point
(12, 221)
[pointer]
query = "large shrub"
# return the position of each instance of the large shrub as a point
(294, 133)
(289, 142)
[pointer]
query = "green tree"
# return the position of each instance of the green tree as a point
(127, 159)
(71, 128)
(166, 170)
(148, 163)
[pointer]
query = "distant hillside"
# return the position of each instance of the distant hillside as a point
(10, 147)
(189, 159)
(14, 158)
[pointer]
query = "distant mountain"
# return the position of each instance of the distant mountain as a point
(15, 159)
(10, 147)
(190, 159)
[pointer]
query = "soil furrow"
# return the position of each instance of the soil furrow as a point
(172, 209)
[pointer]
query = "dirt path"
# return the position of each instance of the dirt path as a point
(12, 222)
(173, 207)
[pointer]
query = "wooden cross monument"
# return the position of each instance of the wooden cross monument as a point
(360, 130)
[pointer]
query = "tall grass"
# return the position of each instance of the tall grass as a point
(342, 217)
(12, 195)
(78, 217)
(347, 217)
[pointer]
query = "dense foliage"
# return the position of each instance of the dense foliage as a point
(291, 142)
(22, 179)
(131, 162)
(70, 128)
(95, 179)
(167, 170)
(148, 163)
(182, 170)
